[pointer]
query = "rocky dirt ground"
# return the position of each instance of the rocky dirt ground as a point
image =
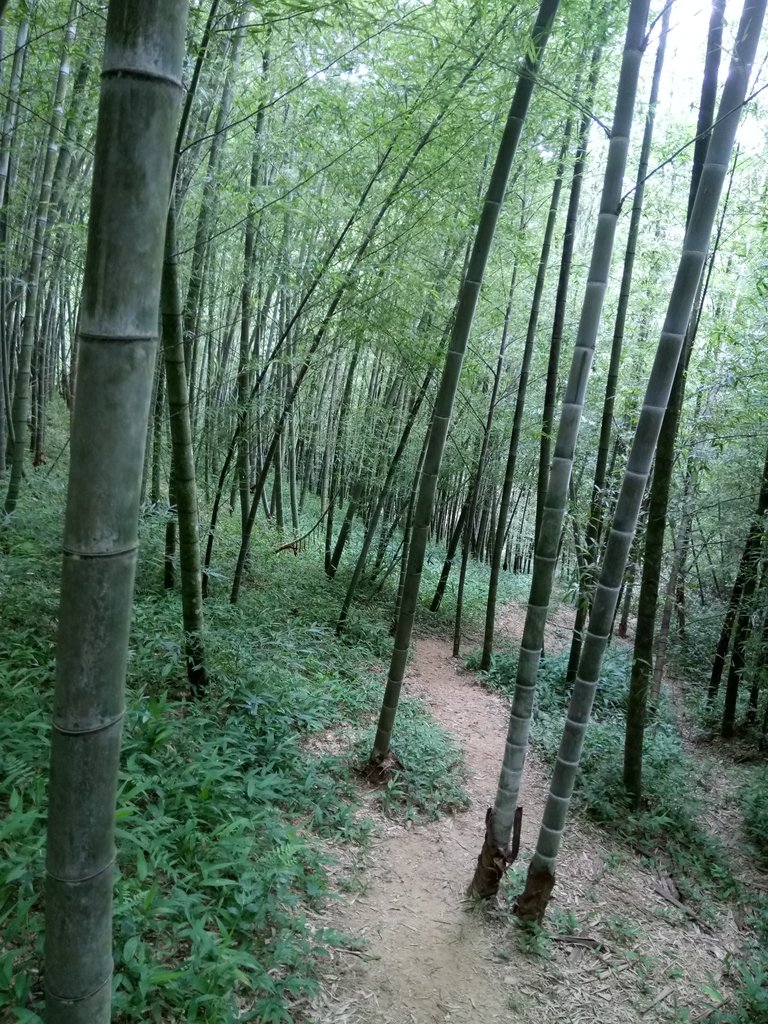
(421, 954)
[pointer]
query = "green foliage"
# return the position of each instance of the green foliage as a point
(429, 782)
(695, 648)
(217, 809)
(692, 656)
(512, 587)
(533, 940)
(623, 931)
(564, 922)
(512, 885)
(530, 938)
(209, 863)
(225, 805)
(754, 802)
(551, 690)
(748, 1004)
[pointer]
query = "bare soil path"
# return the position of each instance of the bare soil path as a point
(428, 956)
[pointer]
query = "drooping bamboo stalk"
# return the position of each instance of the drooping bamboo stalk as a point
(355, 498)
(232, 448)
(140, 97)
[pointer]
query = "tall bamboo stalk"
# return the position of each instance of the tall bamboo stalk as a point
(597, 503)
(493, 856)
(522, 388)
(183, 461)
(640, 679)
(140, 97)
(541, 875)
(468, 296)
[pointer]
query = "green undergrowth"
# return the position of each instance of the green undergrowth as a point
(229, 808)
(691, 656)
(511, 588)
(740, 996)
(429, 781)
(380, 587)
(693, 650)
(669, 830)
(754, 803)
(670, 826)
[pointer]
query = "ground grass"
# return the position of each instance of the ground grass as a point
(225, 805)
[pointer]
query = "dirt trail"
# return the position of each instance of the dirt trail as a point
(429, 957)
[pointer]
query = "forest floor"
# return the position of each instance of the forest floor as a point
(618, 945)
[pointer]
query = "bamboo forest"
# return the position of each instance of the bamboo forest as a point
(384, 528)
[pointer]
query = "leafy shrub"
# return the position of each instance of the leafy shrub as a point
(552, 693)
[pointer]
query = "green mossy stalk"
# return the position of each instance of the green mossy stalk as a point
(138, 110)
(183, 463)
